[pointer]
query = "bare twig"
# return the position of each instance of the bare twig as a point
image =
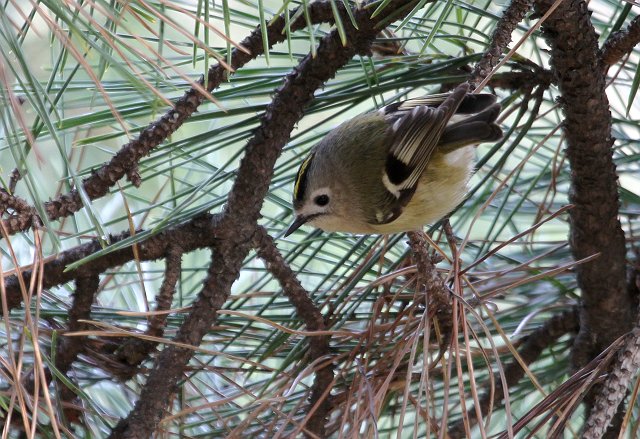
(83, 296)
(438, 298)
(14, 178)
(136, 350)
(70, 347)
(164, 298)
(311, 315)
(525, 80)
(22, 216)
(500, 39)
(620, 43)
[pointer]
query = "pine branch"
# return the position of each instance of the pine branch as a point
(620, 43)
(607, 310)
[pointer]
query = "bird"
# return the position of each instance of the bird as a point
(395, 169)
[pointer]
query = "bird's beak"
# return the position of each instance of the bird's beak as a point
(295, 225)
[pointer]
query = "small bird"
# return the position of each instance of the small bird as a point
(395, 169)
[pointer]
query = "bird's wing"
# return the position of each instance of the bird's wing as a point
(414, 134)
(470, 104)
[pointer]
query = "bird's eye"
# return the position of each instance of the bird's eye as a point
(321, 200)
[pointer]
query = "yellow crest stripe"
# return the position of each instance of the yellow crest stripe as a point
(300, 176)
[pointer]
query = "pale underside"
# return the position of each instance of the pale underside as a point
(441, 188)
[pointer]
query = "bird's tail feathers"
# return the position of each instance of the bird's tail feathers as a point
(476, 103)
(477, 128)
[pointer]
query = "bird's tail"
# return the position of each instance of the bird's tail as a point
(470, 128)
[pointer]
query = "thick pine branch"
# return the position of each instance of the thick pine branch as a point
(607, 309)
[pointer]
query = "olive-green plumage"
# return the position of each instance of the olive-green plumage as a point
(395, 169)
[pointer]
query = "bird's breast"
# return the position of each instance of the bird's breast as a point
(441, 188)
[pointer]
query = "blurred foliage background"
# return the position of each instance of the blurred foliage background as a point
(79, 79)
